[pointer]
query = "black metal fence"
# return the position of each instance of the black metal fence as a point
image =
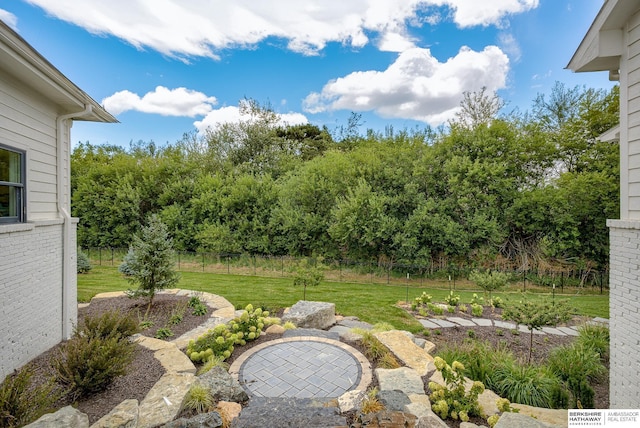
(450, 275)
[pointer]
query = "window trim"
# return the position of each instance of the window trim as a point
(22, 187)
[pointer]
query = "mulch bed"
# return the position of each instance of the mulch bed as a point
(146, 370)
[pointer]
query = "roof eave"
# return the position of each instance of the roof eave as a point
(27, 65)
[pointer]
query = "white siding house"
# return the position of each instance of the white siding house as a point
(38, 294)
(613, 44)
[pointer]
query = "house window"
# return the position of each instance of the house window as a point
(12, 185)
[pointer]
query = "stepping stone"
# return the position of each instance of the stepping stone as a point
(554, 331)
(428, 324)
(598, 320)
(482, 322)
(290, 412)
(461, 321)
(504, 324)
(402, 379)
(443, 323)
(568, 331)
(345, 333)
(406, 351)
(525, 329)
(305, 332)
(355, 324)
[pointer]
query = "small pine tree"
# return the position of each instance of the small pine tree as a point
(150, 261)
(489, 281)
(83, 264)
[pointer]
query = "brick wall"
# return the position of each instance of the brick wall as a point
(624, 312)
(30, 292)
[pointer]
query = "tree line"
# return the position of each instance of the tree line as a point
(525, 187)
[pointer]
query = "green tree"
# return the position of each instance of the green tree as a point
(308, 274)
(489, 281)
(150, 261)
(536, 314)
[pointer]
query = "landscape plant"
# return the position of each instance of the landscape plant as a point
(536, 314)
(149, 263)
(83, 262)
(451, 400)
(199, 398)
(22, 402)
(489, 281)
(308, 274)
(525, 384)
(452, 299)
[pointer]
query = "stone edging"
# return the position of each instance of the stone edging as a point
(365, 378)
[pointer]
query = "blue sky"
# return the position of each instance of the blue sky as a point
(166, 67)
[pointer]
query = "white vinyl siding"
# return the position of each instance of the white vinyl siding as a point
(33, 129)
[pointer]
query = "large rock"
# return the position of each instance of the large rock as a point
(222, 385)
(164, 401)
(351, 400)
(386, 419)
(516, 420)
(554, 417)
(289, 413)
(67, 417)
(431, 420)
(394, 400)
(229, 410)
(204, 420)
(305, 314)
(406, 351)
(124, 415)
(403, 379)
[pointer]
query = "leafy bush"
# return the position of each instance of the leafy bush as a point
(476, 310)
(89, 364)
(109, 324)
(496, 302)
(476, 300)
(163, 333)
(463, 308)
(451, 400)
(221, 340)
(83, 264)
(452, 299)
(21, 402)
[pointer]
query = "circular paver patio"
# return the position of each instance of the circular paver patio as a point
(302, 367)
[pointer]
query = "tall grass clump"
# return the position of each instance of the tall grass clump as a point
(595, 337)
(21, 402)
(526, 384)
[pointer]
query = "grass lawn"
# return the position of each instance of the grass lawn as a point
(369, 302)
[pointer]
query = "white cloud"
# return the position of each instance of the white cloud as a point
(204, 27)
(469, 13)
(9, 18)
(510, 45)
(234, 114)
(416, 86)
(163, 101)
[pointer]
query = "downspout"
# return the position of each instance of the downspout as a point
(61, 123)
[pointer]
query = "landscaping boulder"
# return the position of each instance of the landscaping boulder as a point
(66, 417)
(305, 314)
(204, 420)
(351, 400)
(124, 415)
(516, 420)
(386, 419)
(223, 386)
(403, 379)
(394, 400)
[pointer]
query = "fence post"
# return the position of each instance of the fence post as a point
(179, 260)
(389, 273)
(282, 266)
(601, 280)
(254, 265)
(228, 257)
(202, 262)
(111, 256)
(524, 279)
(100, 256)
(371, 271)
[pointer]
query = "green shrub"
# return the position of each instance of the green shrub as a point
(83, 265)
(463, 308)
(476, 300)
(595, 337)
(21, 402)
(451, 309)
(525, 384)
(89, 364)
(423, 299)
(438, 310)
(109, 324)
(177, 314)
(163, 333)
(497, 302)
(452, 299)
(200, 310)
(213, 361)
(476, 310)
(451, 400)
(489, 281)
